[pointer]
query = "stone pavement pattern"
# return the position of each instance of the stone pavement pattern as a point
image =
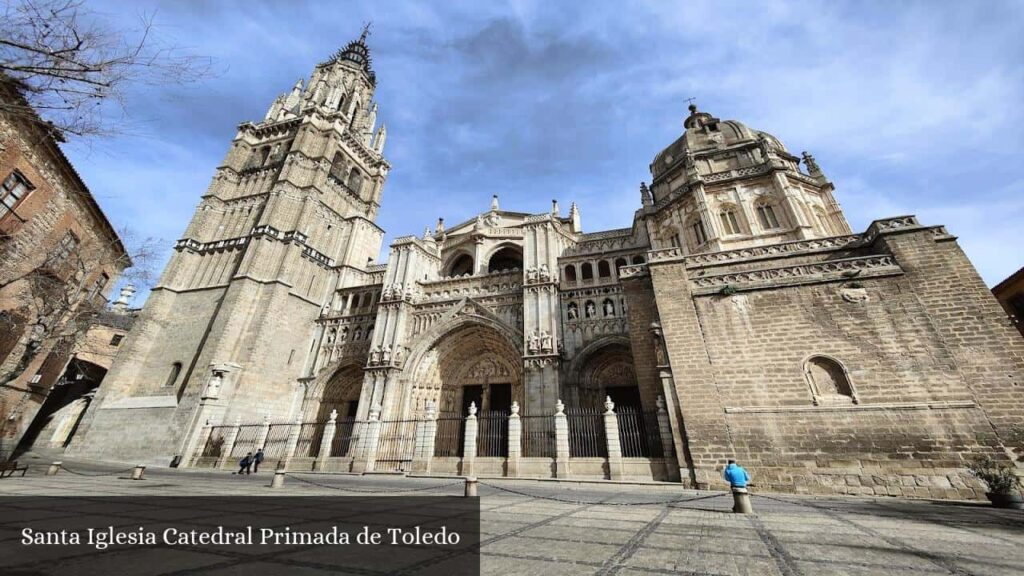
(592, 528)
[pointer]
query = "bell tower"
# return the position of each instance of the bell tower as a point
(226, 333)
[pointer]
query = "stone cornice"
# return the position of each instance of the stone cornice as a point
(853, 407)
(842, 270)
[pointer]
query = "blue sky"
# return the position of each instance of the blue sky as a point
(909, 107)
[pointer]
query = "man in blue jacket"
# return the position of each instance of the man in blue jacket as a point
(736, 475)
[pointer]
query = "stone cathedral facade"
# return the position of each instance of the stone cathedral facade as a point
(739, 303)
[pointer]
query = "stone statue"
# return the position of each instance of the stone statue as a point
(545, 342)
(213, 388)
(531, 274)
(385, 354)
(659, 353)
(375, 355)
(609, 308)
(574, 311)
(544, 274)
(534, 342)
(591, 310)
(325, 309)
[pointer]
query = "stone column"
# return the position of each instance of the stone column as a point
(229, 444)
(426, 431)
(196, 450)
(293, 441)
(469, 443)
(667, 443)
(611, 436)
(561, 442)
(261, 438)
(325, 442)
(515, 446)
(368, 442)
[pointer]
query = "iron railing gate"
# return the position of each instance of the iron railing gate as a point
(395, 445)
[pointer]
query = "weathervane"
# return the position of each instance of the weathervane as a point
(693, 107)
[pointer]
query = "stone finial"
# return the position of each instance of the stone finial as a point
(334, 416)
(812, 166)
(515, 408)
(472, 409)
(494, 202)
(554, 207)
(661, 403)
(559, 407)
(124, 300)
(609, 406)
(440, 226)
(645, 195)
(426, 233)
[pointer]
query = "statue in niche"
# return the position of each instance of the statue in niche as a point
(375, 355)
(213, 388)
(609, 308)
(385, 354)
(544, 273)
(591, 310)
(531, 274)
(574, 311)
(545, 342)
(325, 310)
(533, 345)
(492, 219)
(398, 354)
(659, 352)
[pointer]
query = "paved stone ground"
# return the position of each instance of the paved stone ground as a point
(538, 527)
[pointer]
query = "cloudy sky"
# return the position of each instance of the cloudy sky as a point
(910, 108)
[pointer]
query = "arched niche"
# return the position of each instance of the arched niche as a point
(829, 381)
(461, 266)
(506, 258)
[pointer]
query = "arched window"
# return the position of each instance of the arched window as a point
(172, 376)
(638, 260)
(369, 333)
(355, 301)
(264, 155)
(355, 180)
(730, 224)
(603, 269)
(508, 258)
(829, 381)
(570, 274)
(767, 217)
(619, 263)
(462, 266)
(338, 167)
(696, 232)
(587, 271)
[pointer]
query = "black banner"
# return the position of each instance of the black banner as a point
(239, 535)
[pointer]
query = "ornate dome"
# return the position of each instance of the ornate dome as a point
(705, 134)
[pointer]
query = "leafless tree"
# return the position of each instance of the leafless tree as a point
(70, 66)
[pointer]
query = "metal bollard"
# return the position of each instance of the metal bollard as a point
(54, 468)
(471, 485)
(278, 480)
(741, 501)
(138, 471)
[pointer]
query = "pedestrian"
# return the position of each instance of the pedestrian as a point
(245, 464)
(257, 459)
(738, 479)
(736, 475)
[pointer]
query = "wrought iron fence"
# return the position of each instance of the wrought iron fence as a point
(638, 433)
(245, 441)
(586, 433)
(538, 436)
(344, 434)
(276, 443)
(492, 434)
(311, 434)
(396, 443)
(449, 436)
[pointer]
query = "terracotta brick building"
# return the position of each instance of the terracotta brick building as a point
(59, 256)
(739, 316)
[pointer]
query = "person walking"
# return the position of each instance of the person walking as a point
(257, 459)
(245, 464)
(737, 477)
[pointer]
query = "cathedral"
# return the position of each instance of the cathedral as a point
(739, 316)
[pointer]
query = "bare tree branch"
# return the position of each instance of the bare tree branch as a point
(67, 63)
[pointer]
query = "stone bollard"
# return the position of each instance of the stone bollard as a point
(741, 501)
(278, 480)
(471, 487)
(138, 471)
(54, 468)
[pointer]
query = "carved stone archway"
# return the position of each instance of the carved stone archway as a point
(605, 369)
(338, 392)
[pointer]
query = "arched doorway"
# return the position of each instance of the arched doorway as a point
(57, 420)
(608, 372)
(341, 393)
